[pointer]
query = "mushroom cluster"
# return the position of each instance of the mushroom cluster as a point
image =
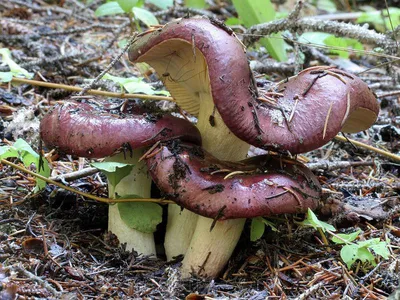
(204, 168)
(205, 68)
(96, 129)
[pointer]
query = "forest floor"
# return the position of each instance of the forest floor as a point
(55, 244)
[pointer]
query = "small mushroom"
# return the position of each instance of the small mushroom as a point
(205, 68)
(260, 186)
(88, 130)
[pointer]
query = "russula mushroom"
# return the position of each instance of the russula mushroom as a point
(260, 186)
(204, 66)
(181, 53)
(87, 130)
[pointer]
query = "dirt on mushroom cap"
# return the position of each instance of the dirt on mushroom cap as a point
(88, 130)
(260, 186)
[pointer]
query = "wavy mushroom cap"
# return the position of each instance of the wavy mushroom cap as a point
(88, 130)
(260, 186)
(199, 60)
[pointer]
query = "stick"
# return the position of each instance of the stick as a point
(91, 92)
(368, 147)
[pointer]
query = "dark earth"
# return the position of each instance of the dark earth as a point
(55, 245)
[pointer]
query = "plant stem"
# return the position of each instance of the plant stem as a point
(91, 92)
(324, 239)
(86, 195)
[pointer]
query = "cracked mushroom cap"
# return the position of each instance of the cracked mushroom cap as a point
(259, 186)
(200, 60)
(87, 130)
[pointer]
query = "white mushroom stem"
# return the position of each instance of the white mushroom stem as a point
(209, 251)
(180, 228)
(184, 71)
(136, 183)
(222, 143)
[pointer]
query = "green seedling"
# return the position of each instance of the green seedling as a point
(134, 85)
(362, 250)
(133, 8)
(24, 152)
(351, 252)
(326, 39)
(258, 228)
(15, 69)
(252, 12)
(380, 19)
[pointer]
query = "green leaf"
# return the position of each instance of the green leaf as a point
(381, 23)
(141, 216)
(257, 229)
(5, 76)
(122, 43)
(114, 171)
(381, 249)
(346, 238)
(233, 21)
(135, 85)
(343, 43)
(127, 5)
(145, 16)
(269, 224)
(23, 151)
(327, 5)
(15, 69)
(321, 38)
(260, 11)
(365, 255)
(362, 251)
(349, 254)
(195, 3)
(312, 221)
(109, 8)
(314, 37)
(163, 4)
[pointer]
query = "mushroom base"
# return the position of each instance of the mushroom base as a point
(209, 251)
(180, 227)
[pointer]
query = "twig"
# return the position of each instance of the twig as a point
(182, 11)
(353, 187)
(33, 277)
(91, 92)
(75, 175)
(113, 62)
(309, 291)
(48, 61)
(100, 199)
(332, 165)
(388, 94)
(37, 35)
(368, 147)
(270, 66)
(339, 29)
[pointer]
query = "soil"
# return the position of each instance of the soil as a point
(55, 245)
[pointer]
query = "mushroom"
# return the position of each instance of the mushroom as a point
(87, 130)
(260, 186)
(204, 66)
